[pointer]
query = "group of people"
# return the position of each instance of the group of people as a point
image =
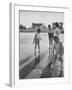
(56, 49)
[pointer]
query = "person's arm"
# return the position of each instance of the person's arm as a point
(61, 49)
(34, 37)
(41, 38)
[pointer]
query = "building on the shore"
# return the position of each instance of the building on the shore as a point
(39, 25)
(36, 25)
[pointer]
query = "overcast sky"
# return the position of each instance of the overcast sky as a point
(28, 17)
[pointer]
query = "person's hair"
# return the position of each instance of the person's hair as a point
(38, 30)
(56, 39)
(49, 26)
(57, 24)
(53, 23)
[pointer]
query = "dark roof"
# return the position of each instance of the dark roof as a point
(37, 24)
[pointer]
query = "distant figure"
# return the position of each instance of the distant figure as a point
(51, 35)
(36, 40)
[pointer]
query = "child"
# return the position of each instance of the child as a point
(58, 47)
(37, 39)
(57, 62)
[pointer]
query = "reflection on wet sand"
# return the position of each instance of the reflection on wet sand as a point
(37, 58)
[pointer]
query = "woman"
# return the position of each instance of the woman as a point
(57, 30)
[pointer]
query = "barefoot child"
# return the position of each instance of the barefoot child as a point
(58, 60)
(58, 47)
(36, 40)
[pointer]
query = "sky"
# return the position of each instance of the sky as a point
(28, 17)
